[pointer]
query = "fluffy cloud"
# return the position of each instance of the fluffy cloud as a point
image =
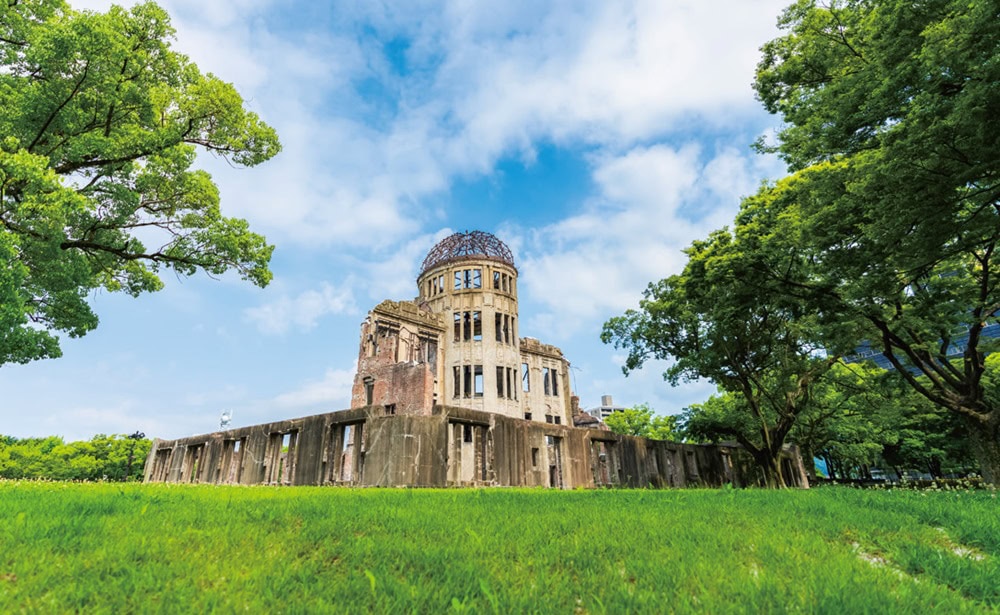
(651, 203)
(368, 140)
(331, 392)
(302, 311)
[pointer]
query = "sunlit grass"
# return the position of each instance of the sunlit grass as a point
(159, 548)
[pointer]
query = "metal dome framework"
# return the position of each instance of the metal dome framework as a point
(462, 246)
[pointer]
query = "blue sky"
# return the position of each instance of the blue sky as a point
(597, 139)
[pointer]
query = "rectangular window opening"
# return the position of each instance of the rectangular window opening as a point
(497, 321)
(479, 380)
(467, 380)
(467, 326)
(458, 380)
(369, 391)
(527, 416)
(500, 391)
(534, 457)
(525, 380)
(496, 280)
(477, 326)
(546, 383)
(477, 278)
(390, 410)
(458, 326)
(458, 279)
(466, 433)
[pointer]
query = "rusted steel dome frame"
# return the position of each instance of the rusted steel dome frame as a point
(468, 245)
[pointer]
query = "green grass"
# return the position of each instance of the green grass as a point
(98, 548)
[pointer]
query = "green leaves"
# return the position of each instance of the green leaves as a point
(640, 421)
(101, 122)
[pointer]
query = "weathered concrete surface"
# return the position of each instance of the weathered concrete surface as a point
(449, 446)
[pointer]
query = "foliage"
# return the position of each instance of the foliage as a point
(889, 111)
(259, 549)
(723, 320)
(115, 457)
(99, 124)
(640, 421)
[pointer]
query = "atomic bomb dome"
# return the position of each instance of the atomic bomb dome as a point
(460, 246)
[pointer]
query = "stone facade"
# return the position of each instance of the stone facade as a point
(458, 342)
(448, 446)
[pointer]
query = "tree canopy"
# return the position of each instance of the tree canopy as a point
(115, 457)
(100, 121)
(891, 132)
(724, 319)
(640, 421)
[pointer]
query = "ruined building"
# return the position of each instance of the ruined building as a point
(447, 392)
(457, 343)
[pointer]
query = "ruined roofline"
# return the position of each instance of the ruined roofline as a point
(533, 346)
(409, 311)
(470, 258)
(474, 245)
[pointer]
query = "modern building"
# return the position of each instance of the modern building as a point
(605, 409)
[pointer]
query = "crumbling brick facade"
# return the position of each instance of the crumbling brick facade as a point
(466, 309)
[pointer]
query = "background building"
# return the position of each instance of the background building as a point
(605, 409)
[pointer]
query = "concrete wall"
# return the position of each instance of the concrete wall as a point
(450, 446)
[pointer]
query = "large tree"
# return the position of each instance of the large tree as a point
(99, 125)
(721, 320)
(891, 111)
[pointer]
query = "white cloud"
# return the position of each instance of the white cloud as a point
(332, 391)
(302, 311)
(652, 202)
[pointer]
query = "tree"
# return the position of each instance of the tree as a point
(99, 125)
(640, 421)
(723, 321)
(890, 110)
(116, 457)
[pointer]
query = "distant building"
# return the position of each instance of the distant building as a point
(605, 409)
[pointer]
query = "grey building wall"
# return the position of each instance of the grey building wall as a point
(449, 447)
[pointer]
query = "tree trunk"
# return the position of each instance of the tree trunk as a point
(985, 440)
(770, 467)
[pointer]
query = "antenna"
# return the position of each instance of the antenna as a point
(225, 419)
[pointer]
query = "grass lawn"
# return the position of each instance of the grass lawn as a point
(113, 548)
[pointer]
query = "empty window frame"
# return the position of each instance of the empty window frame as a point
(369, 390)
(496, 280)
(525, 377)
(503, 325)
(550, 382)
(468, 326)
(468, 380)
(501, 393)
(468, 278)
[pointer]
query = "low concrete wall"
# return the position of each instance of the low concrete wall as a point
(449, 447)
